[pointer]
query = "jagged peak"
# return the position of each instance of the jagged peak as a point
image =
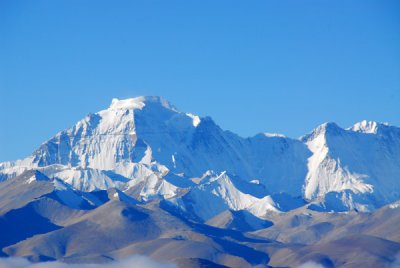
(370, 127)
(331, 128)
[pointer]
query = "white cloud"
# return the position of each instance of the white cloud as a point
(132, 262)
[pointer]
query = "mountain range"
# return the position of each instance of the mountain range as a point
(141, 177)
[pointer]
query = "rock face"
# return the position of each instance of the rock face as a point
(140, 177)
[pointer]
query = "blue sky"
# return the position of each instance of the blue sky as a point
(254, 66)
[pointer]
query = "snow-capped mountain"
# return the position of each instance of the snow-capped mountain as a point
(355, 168)
(146, 149)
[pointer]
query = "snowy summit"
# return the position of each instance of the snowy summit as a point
(148, 149)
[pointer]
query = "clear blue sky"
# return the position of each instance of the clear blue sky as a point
(254, 66)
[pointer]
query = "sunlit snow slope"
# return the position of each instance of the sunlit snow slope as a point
(147, 149)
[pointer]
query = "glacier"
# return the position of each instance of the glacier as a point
(145, 149)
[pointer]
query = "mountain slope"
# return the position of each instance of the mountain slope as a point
(149, 150)
(356, 168)
(140, 177)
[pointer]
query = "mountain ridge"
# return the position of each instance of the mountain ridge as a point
(140, 177)
(145, 145)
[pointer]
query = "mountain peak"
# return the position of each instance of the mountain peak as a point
(370, 127)
(322, 130)
(128, 104)
(329, 126)
(139, 103)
